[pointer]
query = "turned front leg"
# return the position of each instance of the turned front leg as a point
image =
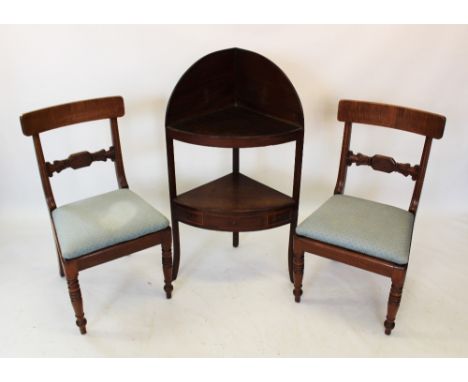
(74, 291)
(167, 264)
(298, 267)
(394, 299)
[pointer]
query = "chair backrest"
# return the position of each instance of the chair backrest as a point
(54, 117)
(396, 117)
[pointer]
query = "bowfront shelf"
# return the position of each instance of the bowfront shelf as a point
(234, 202)
(235, 126)
(234, 99)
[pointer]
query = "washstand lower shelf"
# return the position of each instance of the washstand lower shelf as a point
(234, 203)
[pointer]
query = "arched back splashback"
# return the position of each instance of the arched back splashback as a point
(234, 78)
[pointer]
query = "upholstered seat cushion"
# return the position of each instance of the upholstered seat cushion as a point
(104, 220)
(361, 225)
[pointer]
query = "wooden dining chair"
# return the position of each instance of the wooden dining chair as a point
(362, 233)
(105, 227)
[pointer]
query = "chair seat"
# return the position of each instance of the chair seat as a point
(104, 220)
(363, 226)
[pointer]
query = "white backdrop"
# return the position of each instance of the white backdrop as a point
(424, 67)
(233, 301)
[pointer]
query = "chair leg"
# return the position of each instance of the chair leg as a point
(175, 233)
(61, 272)
(59, 259)
(235, 239)
(71, 273)
(394, 299)
(167, 265)
(291, 252)
(298, 274)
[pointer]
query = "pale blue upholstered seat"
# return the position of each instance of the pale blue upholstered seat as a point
(104, 220)
(361, 225)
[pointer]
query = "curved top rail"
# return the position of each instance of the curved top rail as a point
(38, 121)
(396, 117)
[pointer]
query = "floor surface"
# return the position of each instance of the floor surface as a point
(234, 302)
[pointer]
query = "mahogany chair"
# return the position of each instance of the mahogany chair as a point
(365, 234)
(105, 227)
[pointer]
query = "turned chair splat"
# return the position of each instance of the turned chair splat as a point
(383, 163)
(80, 160)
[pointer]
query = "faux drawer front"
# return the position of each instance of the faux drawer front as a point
(190, 217)
(241, 223)
(279, 218)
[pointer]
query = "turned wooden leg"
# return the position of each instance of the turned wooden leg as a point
(167, 264)
(394, 299)
(175, 233)
(291, 251)
(235, 239)
(298, 265)
(71, 273)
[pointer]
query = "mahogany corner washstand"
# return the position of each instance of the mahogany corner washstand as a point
(234, 99)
